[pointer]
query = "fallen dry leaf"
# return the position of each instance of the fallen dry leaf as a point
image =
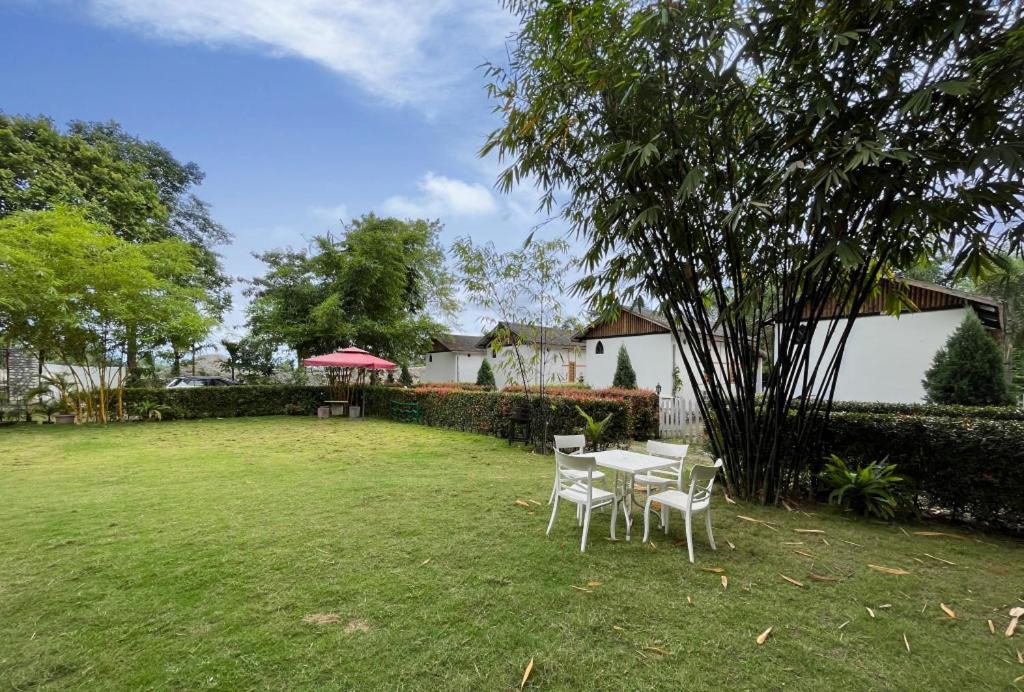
(844, 624)
(725, 583)
(825, 541)
(425, 562)
(870, 612)
(947, 610)
(534, 502)
(786, 505)
(792, 543)
(616, 627)
(526, 674)
(888, 570)
(729, 499)
(731, 546)
(939, 533)
(656, 650)
(808, 530)
(991, 627)
(822, 577)
(763, 637)
(947, 562)
(850, 542)
(580, 588)
(752, 520)
(690, 601)
(792, 581)
(805, 554)
(593, 582)
(716, 570)
(322, 618)
(906, 642)
(523, 503)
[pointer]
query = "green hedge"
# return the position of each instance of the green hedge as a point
(229, 402)
(972, 468)
(634, 417)
(934, 410)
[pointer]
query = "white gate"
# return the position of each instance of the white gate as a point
(680, 417)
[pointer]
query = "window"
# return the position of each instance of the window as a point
(430, 358)
(599, 349)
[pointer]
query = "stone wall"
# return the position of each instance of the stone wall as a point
(22, 374)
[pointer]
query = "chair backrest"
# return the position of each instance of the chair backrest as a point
(572, 443)
(670, 451)
(702, 480)
(565, 462)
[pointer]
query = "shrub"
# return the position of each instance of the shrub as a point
(968, 468)
(228, 402)
(935, 410)
(485, 376)
(405, 378)
(593, 430)
(625, 376)
(635, 414)
(968, 370)
(867, 490)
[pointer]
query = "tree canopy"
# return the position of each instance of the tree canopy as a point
(754, 162)
(383, 286)
(74, 289)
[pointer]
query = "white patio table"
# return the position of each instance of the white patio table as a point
(627, 464)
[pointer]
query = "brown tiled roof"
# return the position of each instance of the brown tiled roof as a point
(456, 342)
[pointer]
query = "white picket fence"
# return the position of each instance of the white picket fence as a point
(680, 417)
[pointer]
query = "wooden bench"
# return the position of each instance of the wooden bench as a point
(405, 411)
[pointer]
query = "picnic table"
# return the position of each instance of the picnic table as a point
(626, 464)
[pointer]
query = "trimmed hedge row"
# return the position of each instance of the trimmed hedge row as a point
(230, 402)
(634, 416)
(933, 410)
(972, 468)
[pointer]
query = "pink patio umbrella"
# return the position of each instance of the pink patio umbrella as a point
(346, 362)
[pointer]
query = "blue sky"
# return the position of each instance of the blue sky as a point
(300, 112)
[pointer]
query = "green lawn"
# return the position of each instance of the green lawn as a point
(187, 554)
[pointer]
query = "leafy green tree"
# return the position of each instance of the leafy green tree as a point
(135, 187)
(968, 369)
(625, 376)
(750, 162)
(73, 288)
(485, 376)
(405, 377)
(382, 286)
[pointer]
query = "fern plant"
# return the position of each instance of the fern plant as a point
(149, 410)
(594, 430)
(867, 490)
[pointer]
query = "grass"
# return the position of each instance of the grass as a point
(187, 554)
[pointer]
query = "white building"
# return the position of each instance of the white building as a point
(563, 360)
(886, 357)
(453, 358)
(653, 353)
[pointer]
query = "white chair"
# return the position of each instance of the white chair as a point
(580, 492)
(571, 444)
(696, 500)
(660, 479)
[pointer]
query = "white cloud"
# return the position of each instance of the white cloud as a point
(406, 51)
(334, 214)
(442, 196)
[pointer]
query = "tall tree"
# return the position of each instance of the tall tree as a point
(383, 285)
(968, 369)
(743, 162)
(72, 288)
(485, 376)
(134, 186)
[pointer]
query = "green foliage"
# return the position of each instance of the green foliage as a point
(625, 376)
(149, 410)
(968, 370)
(377, 287)
(251, 360)
(594, 430)
(228, 402)
(933, 410)
(867, 490)
(485, 376)
(74, 289)
(405, 377)
(635, 413)
(970, 468)
(747, 162)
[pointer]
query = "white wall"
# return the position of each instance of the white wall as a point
(452, 367)
(506, 372)
(886, 357)
(653, 357)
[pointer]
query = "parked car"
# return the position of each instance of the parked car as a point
(199, 381)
